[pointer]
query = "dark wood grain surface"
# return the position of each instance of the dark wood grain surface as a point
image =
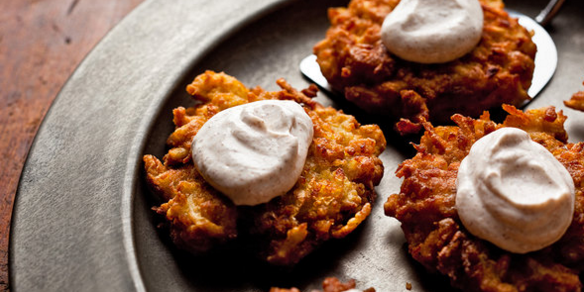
(41, 44)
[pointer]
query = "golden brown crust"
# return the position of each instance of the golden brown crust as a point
(576, 102)
(437, 239)
(354, 61)
(331, 198)
(329, 285)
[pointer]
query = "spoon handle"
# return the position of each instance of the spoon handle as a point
(549, 12)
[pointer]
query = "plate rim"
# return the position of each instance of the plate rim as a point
(35, 166)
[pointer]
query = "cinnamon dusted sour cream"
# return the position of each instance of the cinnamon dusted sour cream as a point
(254, 152)
(513, 192)
(433, 31)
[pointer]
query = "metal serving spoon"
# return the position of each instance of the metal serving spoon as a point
(546, 58)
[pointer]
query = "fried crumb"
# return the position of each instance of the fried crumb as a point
(329, 285)
(576, 102)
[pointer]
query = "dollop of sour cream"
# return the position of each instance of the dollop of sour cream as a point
(513, 192)
(433, 31)
(254, 152)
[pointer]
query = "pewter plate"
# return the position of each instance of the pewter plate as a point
(82, 218)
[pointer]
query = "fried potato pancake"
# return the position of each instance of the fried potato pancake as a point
(354, 61)
(329, 285)
(436, 237)
(330, 199)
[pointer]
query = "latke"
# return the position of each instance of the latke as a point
(332, 197)
(355, 62)
(436, 237)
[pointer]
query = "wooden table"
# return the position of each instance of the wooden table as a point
(41, 43)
